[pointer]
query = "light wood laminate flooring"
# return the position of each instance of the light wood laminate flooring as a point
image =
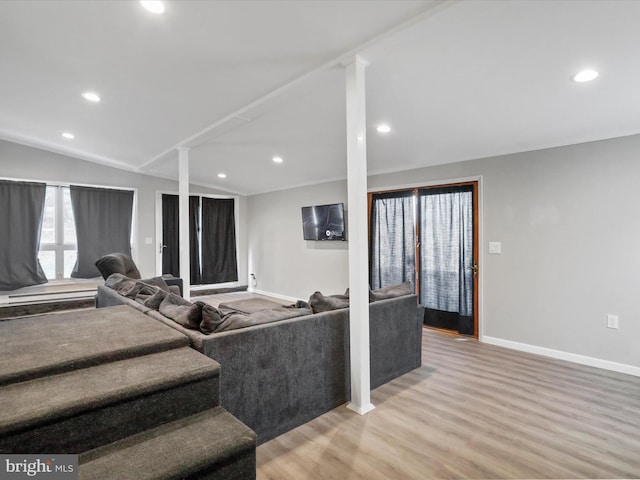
(473, 411)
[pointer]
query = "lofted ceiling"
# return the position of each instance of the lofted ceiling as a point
(239, 82)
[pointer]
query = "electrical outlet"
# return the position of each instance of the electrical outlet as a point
(613, 321)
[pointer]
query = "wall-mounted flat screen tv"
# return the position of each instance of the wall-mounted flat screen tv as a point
(323, 222)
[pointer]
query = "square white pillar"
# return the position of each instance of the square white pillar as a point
(357, 236)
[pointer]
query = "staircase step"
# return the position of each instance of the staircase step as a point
(49, 344)
(209, 445)
(76, 411)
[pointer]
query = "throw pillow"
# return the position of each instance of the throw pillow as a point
(114, 280)
(153, 302)
(211, 318)
(320, 303)
(144, 293)
(371, 299)
(129, 288)
(299, 304)
(181, 311)
(236, 320)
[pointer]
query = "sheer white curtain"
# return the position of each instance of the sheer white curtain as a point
(446, 260)
(392, 252)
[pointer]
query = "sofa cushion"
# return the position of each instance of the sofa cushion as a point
(181, 311)
(233, 321)
(154, 300)
(391, 291)
(299, 304)
(145, 292)
(248, 305)
(320, 303)
(211, 319)
(114, 280)
(130, 288)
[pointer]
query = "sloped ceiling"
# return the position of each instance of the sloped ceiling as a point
(240, 82)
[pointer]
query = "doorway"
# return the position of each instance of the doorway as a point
(212, 239)
(429, 237)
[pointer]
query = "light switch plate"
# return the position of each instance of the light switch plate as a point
(148, 241)
(495, 247)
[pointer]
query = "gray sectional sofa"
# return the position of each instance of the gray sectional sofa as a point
(276, 372)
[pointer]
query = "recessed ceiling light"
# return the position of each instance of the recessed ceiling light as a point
(383, 128)
(222, 175)
(585, 76)
(91, 96)
(277, 160)
(68, 135)
(153, 6)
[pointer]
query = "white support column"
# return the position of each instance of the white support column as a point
(183, 209)
(357, 236)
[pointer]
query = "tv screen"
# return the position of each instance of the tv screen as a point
(323, 222)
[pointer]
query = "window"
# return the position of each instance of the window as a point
(58, 244)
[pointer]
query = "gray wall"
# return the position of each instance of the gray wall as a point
(282, 261)
(27, 163)
(569, 229)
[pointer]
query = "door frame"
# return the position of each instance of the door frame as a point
(158, 238)
(478, 304)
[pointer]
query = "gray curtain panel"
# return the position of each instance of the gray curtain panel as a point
(21, 210)
(194, 240)
(171, 236)
(103, 225)
(446, 239)
(392, 250)
(219, 262)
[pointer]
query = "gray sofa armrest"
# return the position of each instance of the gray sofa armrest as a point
(395, 336)
(174, 282)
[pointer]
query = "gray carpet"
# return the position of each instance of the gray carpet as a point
(53, 343)
(124, 391)
(211, 444)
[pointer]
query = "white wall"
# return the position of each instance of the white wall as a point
(567, 219)
(282, 261)
(27, 163)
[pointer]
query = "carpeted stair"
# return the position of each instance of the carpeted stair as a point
(123, 391)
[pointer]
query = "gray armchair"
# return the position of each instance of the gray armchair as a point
(124, 264)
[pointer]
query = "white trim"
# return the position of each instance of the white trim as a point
(426, 183)
(360, 410)
(57, 183)
(75, 288)
(560, 355)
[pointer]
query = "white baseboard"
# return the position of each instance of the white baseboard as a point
(360, 409)
(559, 354)
(271, 294)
